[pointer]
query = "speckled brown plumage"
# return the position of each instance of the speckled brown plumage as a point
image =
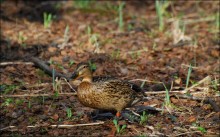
(105, 93)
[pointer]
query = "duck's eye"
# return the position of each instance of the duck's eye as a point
(84, 66)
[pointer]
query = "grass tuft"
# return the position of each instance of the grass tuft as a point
(188, 75)
(47, 19)
(120, 16)
(161, 11)
(119, 128)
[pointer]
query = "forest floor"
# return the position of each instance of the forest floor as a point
(121, 39)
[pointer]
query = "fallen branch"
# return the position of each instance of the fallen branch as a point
(43, 66)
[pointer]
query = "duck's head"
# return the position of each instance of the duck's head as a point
(82, 71)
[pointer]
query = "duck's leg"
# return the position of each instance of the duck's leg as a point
(118, 114)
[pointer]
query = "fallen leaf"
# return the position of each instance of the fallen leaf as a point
(192, 119)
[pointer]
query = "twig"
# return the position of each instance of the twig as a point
(58, 126)
(15, 63)
(162, 92)
(78, 125)
(9, 127)
(37, 95)
(133, 112)
(68, 84)
(144, 80)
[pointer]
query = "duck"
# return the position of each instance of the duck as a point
(105, 92)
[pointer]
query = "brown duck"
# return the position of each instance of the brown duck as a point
(105, 93)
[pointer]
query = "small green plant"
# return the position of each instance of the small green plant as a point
(47, 19)
(53, 78)
(66, 34)
(188, 75)
(200, 128)
(29, 104)
(51, 62)
(82, 4)
(144, 118)
(93, 38)
(158, 126)
(7, 88)
(142, 135)
(135, 54)
(19, 101)
(89, 30)
(154, 46)
(22, 39)
(116, 54)
(167, 96)
(217, 21)
(59, 66)
(71, 63)
(118, 127)
(56, 84)
(56, 93)
(31, 120)
(43, 100)
(7, 102)
(69, 113)
(120, 16)
(161, 10)
(92, 66)
(143, 83)
(214, 85)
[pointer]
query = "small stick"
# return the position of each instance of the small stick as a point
(68, 84)
(162, 92)
(9, 127)
(78, 125)
(15, 63)
(144, 80)
(37, 95)
(58, 126)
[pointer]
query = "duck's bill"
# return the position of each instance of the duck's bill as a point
(75, 75)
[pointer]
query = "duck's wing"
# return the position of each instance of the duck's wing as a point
(115, 81)
(124, 89)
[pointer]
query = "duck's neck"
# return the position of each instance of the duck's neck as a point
(87, 79)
